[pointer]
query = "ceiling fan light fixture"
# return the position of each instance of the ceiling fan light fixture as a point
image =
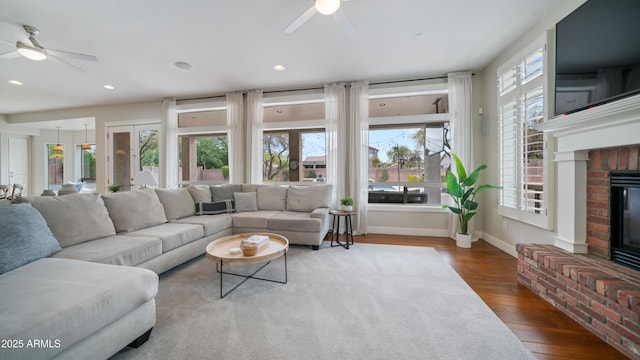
(327, 7)
(30, 52)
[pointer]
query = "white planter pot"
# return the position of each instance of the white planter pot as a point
(463, 241)
(346, 208)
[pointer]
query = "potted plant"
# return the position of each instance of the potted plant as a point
(462, 191)
(346, 203)
(114, 187)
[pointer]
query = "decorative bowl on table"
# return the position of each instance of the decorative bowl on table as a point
(249, 249)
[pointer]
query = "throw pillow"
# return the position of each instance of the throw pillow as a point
(224, 192)
(272, 197)
(213, 208)
(245, 201)
(310, 197)
(25, 237)
(177, 203)
(200, 194)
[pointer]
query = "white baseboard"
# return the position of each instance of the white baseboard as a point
(506, 247)
(407, 231)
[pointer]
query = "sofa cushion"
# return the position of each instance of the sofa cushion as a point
(115, 250)
(253, 219)
(68, 300)
(177, 203)
(212, 224)
(271, 197)
(308, 198)
(173, 235)
(294, 221)
(200, 194)
(245, 201)
(75, 218)
(133, 210)
(24, 237)
(224, 192)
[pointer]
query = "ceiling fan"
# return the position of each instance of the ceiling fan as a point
(324, 7)
(37, 52)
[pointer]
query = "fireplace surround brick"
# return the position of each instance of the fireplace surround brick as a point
(602, 296)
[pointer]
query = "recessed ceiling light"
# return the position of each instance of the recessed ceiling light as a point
(15, 82)
(182, 65)
(110, 87)
(279, 67)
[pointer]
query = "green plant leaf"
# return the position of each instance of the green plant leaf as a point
(470, 205)
(453, 186)
(454, 210)
(485, 187)
(474, 176)
(462, 173)
(468, 216)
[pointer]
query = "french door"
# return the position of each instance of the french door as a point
(132, 149)
(19, 160)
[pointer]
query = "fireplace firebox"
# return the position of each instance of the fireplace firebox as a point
(625, 218)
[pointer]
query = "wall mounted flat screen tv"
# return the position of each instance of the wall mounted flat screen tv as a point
(597, 55)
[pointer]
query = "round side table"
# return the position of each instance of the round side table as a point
(348, 228)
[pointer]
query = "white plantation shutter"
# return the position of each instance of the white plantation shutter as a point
(521, 106)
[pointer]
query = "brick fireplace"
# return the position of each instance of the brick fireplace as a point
(575, 273)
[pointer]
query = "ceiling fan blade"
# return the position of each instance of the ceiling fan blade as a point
(10, 55)
(8, 43)
(344, 21)
(57, 60)
(300, 20)
(72, 55)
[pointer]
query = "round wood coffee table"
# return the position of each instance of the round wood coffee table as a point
(219, 251)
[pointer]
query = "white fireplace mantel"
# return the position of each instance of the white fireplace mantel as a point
(609, 125)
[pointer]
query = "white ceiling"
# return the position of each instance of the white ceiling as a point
(234, 44)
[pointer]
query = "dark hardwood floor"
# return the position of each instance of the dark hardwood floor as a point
(545, 331)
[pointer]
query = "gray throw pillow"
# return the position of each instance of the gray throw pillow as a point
(224, 192)
(245, 201)
(24, 237)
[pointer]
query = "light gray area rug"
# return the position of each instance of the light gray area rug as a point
(369, 302)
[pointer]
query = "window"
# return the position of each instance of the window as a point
(521, 107)
(309, 146)
(86, 172)
(203, 158)
(294, 138)
(203, 143)
(55, 167)
(409, 148)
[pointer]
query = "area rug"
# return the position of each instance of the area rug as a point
(369, 302)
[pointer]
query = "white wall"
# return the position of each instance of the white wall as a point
(494, 224)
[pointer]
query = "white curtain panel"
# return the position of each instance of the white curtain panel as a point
(169, 144)
(358, 151)
(460, 120)
(235, 136)
(335, 117)
(254, 136)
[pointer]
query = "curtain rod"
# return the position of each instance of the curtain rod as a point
(322, 88)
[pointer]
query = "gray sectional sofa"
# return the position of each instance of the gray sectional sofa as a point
(74, 269)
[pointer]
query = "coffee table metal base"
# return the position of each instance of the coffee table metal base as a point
(247, 277)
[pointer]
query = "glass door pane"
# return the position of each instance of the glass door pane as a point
(121, 159)
(133, 149)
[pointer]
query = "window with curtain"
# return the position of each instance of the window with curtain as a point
(203, 146)
(409, 148)
(521, 107)
(294, 138)
(55, 167)
(86, 172)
